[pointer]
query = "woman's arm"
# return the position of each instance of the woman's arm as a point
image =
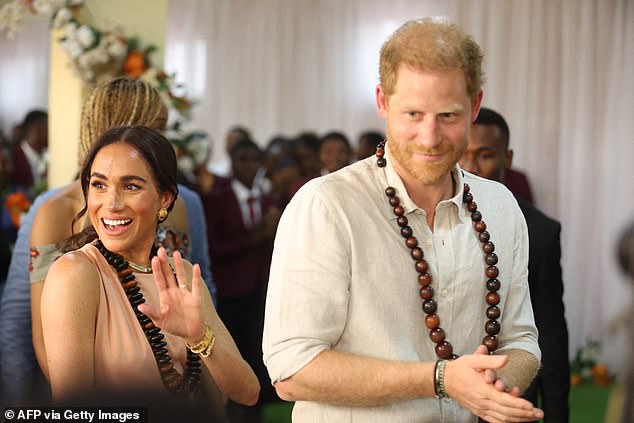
(183, 311)
(70, 299)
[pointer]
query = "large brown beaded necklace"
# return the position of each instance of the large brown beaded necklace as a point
(174, 383)
(444, 349)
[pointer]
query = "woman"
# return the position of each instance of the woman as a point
(102, 305)
(121, 101)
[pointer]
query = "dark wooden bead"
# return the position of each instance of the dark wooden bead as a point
(160, 352)
(492, 327)
(488, 247)
(157, 346)
(466, 188)
(493, 312)
(437, 335)
(467, 197)
(193, 363)
(491, 342)
(491, 259)
(394, 201)
(492, 272)
(125, 272)
(156, 338)
(163, 359)
(128, 278)
(444, 350)
(429, 306)
(480, 226)
(399, 210)
(164, 368)
(129, 285)
(152, 331)
(402, 221)
(137, 302)
(484, 236)
(121, 266)
(417, 253)
(406, 231)
(424, 278)
(493, 285)
(472, 206)
(132, 291)
(390, 191)
(380, 152)
(136, 297)
(148, 325)
(411, 242)
(426, 292)
(381, 162)
(476, 216)
(432, 321)
(493, 298)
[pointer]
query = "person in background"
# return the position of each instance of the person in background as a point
(116, 313)
(307, 158)
(121, 101)
(235, 134)
(334, 152)
(488, 155)
(241, 223)
(280, 170)
(358, 251)
(367, 142)
(30, 155)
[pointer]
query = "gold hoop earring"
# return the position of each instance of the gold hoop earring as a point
(162, 214)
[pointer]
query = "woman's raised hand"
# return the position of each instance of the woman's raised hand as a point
(179, 311)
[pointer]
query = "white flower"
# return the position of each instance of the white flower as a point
(116, 46)
(11, 15)
(86, 36)
(185, 163)
(72, 47)
(47, 7)
(62, 17)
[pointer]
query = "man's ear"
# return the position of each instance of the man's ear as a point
(509, 159)
(381, 101)
(477, 102)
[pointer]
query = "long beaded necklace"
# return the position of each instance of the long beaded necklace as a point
(444, 349)
(172, 380)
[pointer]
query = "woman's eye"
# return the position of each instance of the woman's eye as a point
(132, 187)
(97, 185)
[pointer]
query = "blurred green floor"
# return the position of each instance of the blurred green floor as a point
(587, 405)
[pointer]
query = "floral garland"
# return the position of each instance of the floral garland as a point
(97, 55)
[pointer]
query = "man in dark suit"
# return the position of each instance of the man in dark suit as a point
(488, 156)
(29, 154)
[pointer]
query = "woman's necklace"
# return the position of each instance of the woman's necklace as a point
(443, 348)
(139, 268)
(172, 380)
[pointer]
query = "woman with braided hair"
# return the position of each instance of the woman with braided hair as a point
(115, 316)
(120, 101)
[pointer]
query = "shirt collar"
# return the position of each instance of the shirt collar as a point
(395, 181)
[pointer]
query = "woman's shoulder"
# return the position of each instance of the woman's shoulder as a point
(74, 265)
(60, 207)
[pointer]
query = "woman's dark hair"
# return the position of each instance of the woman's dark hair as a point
(155, 150)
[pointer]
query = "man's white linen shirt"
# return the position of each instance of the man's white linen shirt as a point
(342, 278)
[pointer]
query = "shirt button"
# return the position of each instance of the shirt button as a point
(429, 242)
(444, 293)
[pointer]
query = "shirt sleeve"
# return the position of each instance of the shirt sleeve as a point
(17, 358)
(518, 324)
(308, 291)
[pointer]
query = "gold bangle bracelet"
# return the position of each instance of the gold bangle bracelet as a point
(208, 339)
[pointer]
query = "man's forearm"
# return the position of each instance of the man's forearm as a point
(520, 370)
(339, 378)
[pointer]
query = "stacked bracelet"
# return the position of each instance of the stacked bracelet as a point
(204, 347)
(439, 379)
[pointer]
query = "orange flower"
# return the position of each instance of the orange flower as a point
(135, 64)
(17, 204)
(575, 380)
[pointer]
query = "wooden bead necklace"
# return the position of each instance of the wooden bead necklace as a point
(444, 349)
(173, 381)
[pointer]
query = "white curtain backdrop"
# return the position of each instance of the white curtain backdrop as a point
(24, 72)
(561, 72)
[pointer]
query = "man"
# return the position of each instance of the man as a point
(30, 155)
(241, 222)
(344, 333)
(488, 155)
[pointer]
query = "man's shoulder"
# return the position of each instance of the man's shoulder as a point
(487, 190)
(535, 217)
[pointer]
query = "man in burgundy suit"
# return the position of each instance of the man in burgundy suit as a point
(241, 224)
(30, 154)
